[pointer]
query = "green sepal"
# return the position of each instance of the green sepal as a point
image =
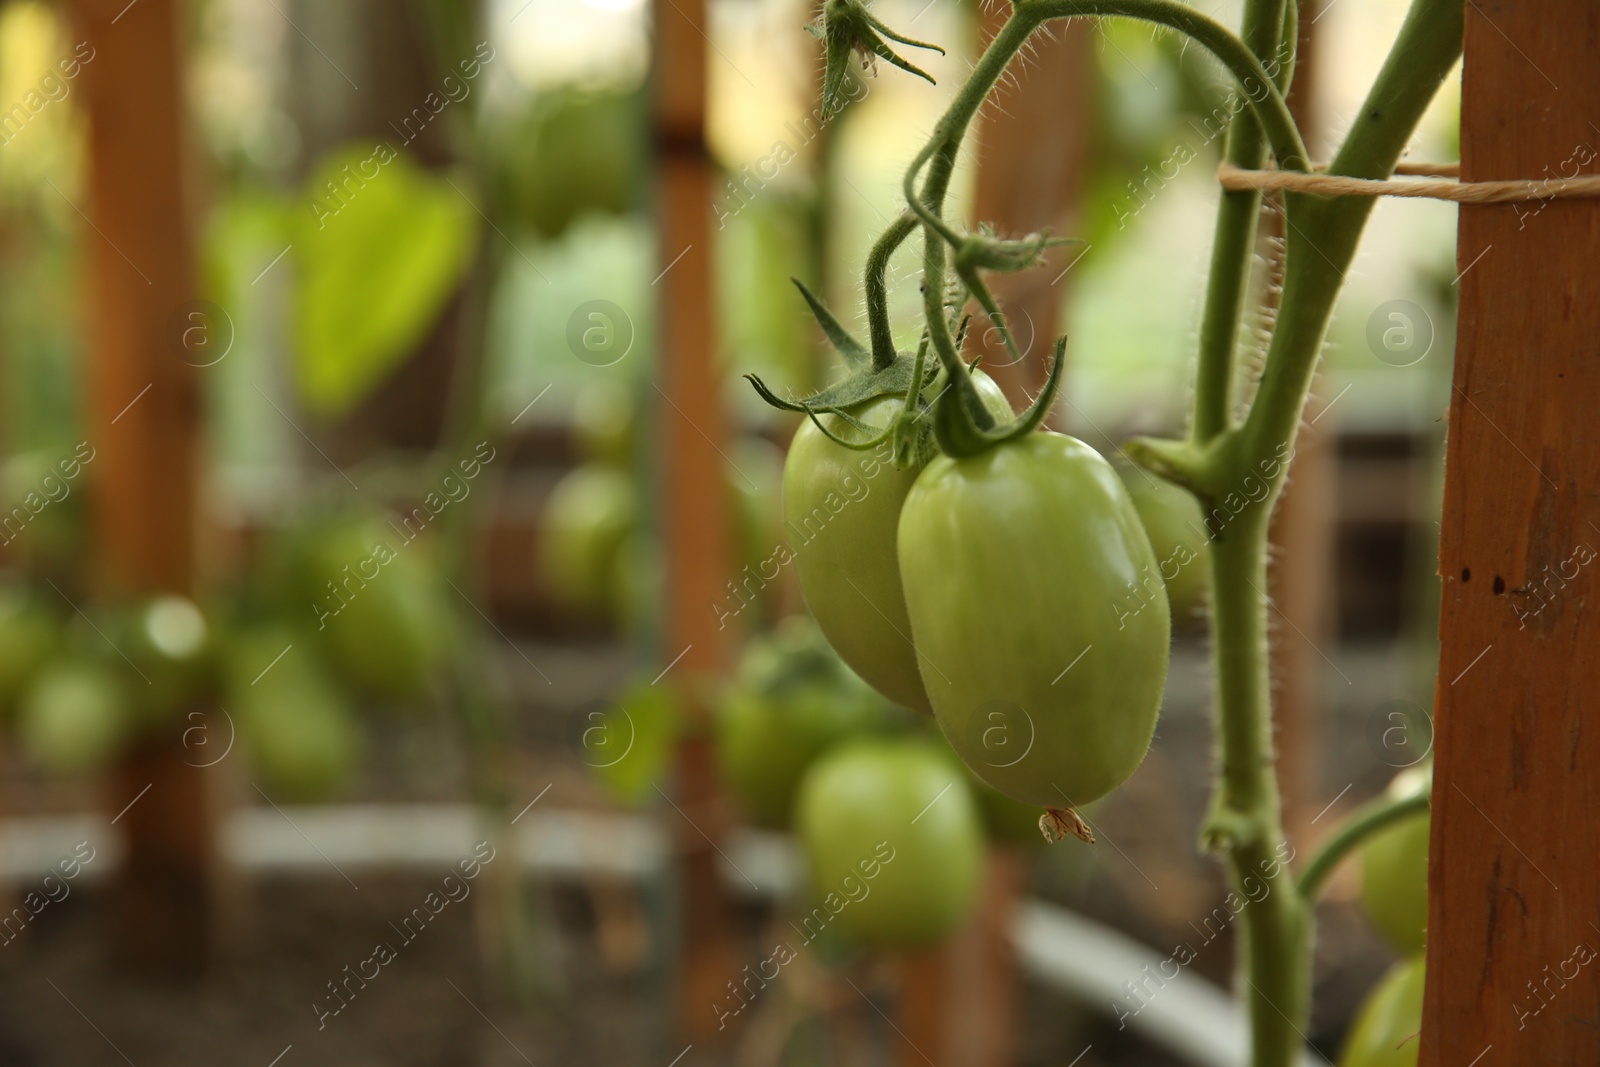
(960, 436)
(859, 388)
(854, 352)
(847, 27)
(855, 424)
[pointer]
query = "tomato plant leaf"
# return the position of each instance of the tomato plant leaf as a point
(379, 251)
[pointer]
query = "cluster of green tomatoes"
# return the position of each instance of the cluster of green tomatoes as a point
(992, 591)
(277, 675)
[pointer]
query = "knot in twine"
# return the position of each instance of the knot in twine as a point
(1433, 181)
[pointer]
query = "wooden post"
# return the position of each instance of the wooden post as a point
(1032, 154)
(960, 1003)
(1514, 873)
(144, 421)
(694, 498)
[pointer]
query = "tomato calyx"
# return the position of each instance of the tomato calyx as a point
(848, 27)
(964, 428)
(872, 375)
(984, 251)
(1057, 823)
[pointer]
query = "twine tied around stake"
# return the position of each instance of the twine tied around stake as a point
(1434, 181)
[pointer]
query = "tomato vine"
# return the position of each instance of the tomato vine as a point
(1222, 449)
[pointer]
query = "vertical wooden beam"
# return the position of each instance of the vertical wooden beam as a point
(144, 419)
(1032, 157)
(960, 1003)
(1514, 877)
(694, 499)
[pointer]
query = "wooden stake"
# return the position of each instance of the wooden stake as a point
(694, 499)
(144, 420)
(1514, 873)
(960, 1002)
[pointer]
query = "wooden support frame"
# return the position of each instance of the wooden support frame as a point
(143, 416)
(1514, 878)
(695, 510)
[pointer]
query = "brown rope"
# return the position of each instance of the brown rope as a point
(1432, 187)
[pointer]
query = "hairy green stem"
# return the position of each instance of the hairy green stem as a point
(876, 285)
(1323, 233)
(1236, 470)
(1227, 282)
(1385, 811)
(1321, 241)
(1260, 88)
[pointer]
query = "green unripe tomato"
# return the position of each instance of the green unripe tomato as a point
(28, 634)
(1044, 671)
(1172, 519)
(603, 422)
(793, 700)
(1385, 1030)
(74, 716)
(586, 524)
(841, 509)
(381, 620)
(300, 731)
(893, 843)
(630, 743)
(168, 640)
(1394, 870)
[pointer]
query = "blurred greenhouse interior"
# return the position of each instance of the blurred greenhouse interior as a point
(400, 660)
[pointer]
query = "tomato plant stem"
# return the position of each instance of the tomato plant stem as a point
(877, 288)
(1235, 468)
(1321, 241)
(1371, 818)
(1262, 31)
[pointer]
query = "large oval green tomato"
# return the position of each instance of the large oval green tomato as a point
(630, 742)
(1394, 871)
(603, 422)
(893, 843)
(386, 627)
(1172, 519)
(795, 700)
(27, 637)
(299, 730)
(74, 716)
(841, 509)
(587, 520)
(1385, 1030)
(168, 640)
(1044, 668)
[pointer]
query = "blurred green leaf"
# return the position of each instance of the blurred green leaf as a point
(379, 250)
